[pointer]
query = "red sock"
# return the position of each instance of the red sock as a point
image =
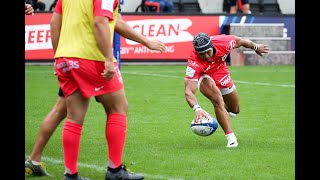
(71, 135)
(116, 136)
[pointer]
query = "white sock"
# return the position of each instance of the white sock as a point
(232, 140)
(231, 114)
(35, 162)
(230, 136)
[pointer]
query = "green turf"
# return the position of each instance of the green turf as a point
(160, 143)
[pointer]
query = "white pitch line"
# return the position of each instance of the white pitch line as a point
(151, 74)
(102, 169)
(266, 84)
(241, 82)
(182, 77)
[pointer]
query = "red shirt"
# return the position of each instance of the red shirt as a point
(197, 66)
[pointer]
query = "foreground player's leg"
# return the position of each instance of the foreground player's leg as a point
(231, 100)
(33, 165)
(116, 134)
(209, 89)
(116, 129)
(77, 106)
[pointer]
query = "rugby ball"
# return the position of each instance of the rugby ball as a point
(206, 128)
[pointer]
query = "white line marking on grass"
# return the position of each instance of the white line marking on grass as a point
(151, 74)
(242, 82)
(103, 169)
(266, 84)
(182, 77)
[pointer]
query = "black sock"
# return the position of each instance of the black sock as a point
(72, 175)
(114, 170)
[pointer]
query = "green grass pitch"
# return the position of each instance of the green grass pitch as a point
(160, 143)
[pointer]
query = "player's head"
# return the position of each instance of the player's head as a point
(203, 45)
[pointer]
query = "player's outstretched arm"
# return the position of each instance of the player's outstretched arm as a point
(247, 43)
(126, 31)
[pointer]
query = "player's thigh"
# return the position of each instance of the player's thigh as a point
(77, 106)
(115, 102)
(207, 87)
(60, 108)
(231, 100)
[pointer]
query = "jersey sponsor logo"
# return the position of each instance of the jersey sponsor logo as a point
(207, 69)
(190, 72)
(230, 45)
(225, 80)
(224, 57)
(193, 63)
(107, 5)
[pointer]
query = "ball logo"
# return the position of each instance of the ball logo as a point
(204, 131)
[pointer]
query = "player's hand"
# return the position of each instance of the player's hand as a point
(28, 9)
(156, 45)
(109, 70)
(199, 115)
(262, 48)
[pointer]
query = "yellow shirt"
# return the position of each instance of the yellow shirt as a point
(77, 36)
